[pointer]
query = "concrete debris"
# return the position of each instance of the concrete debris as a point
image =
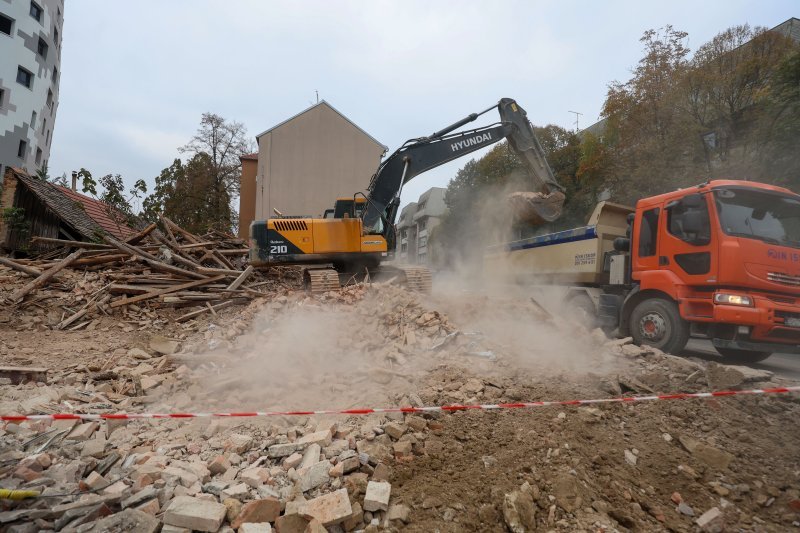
(195, 514)
(377, 496)
(374, 473)
(519, 512)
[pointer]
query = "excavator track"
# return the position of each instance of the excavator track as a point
(319, 280)
(418, 278)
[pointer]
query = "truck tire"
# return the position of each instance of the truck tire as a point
(657, 322)
(733, 355)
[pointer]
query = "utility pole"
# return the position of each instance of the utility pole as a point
(577, 119)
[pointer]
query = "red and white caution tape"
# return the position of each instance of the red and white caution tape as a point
(368, 411)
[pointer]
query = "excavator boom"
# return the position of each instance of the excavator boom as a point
(420, 155)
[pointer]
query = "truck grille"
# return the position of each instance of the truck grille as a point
(786, 279)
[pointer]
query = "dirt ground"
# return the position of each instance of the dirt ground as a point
(645, 466)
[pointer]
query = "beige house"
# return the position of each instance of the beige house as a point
(309, 160)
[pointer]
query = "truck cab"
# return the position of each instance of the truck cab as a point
(722, 260)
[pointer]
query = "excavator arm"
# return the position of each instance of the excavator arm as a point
(420, 155)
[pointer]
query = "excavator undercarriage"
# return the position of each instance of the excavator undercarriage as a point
(319, 280)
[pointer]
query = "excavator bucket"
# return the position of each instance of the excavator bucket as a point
(536, 208)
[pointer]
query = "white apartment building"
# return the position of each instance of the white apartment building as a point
(30, 69)
(417, 219)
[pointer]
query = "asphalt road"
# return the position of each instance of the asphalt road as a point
(784, 365)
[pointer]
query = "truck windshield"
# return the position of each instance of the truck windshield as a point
(766, 216)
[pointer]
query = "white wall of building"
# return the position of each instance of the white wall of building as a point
(27, 114)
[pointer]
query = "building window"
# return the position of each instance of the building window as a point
(38, 155)
(23, 147)
(55, 75)
(55, 35)
(50, 98)
(6, 24)
(2, 97)
(44, 124)
(47, 139)
(42, 48)
(36, 11)
(24, 77)
(33, 120)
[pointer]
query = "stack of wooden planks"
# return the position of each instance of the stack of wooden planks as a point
(162, 266)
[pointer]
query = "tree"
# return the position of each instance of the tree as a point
(118, 202)
(219, 144)
(645, 120)
(724, 92)
(163, 199)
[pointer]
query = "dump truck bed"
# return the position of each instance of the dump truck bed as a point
(574, 256)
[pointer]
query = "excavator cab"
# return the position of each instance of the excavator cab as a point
(347, 208)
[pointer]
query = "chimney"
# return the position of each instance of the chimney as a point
(74, 181)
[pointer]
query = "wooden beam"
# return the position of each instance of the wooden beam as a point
(21, 268)
(101, 259)
(241, 279)
(212, 308)
(136, 239)
(236, 251)
(133, 250)
(73, 244)
(46, 275)
(220, 271)
(20, 374)
(159, 292)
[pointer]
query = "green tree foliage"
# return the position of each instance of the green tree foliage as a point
(216, 168)
(682, 120)
(186, 195)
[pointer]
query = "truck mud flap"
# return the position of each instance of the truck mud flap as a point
(608, 309)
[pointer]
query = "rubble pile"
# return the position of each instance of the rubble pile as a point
(306, 477)
(168, 269)
(686, 465)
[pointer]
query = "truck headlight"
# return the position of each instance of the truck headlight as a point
(733, 299)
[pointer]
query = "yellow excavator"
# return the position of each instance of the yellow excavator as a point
(358, 234)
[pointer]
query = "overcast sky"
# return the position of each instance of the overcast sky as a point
(136, 76)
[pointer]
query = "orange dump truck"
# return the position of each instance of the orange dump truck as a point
(720, 260)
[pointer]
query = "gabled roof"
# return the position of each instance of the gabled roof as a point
(101, 213)
(66, 209)
(323, 102)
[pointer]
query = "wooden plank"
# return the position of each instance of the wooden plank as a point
(163, 267)
(73, 244)
(136, 239)
(21, 268)
(234, 251)
(132, 250)
(46, 275)
(220, 271)
(20, 374)
(168, 290)
(241, 279)
(213, 308)
(101, 259)
(196, 245)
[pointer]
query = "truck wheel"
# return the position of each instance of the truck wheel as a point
(658, 323)
(733, 355)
